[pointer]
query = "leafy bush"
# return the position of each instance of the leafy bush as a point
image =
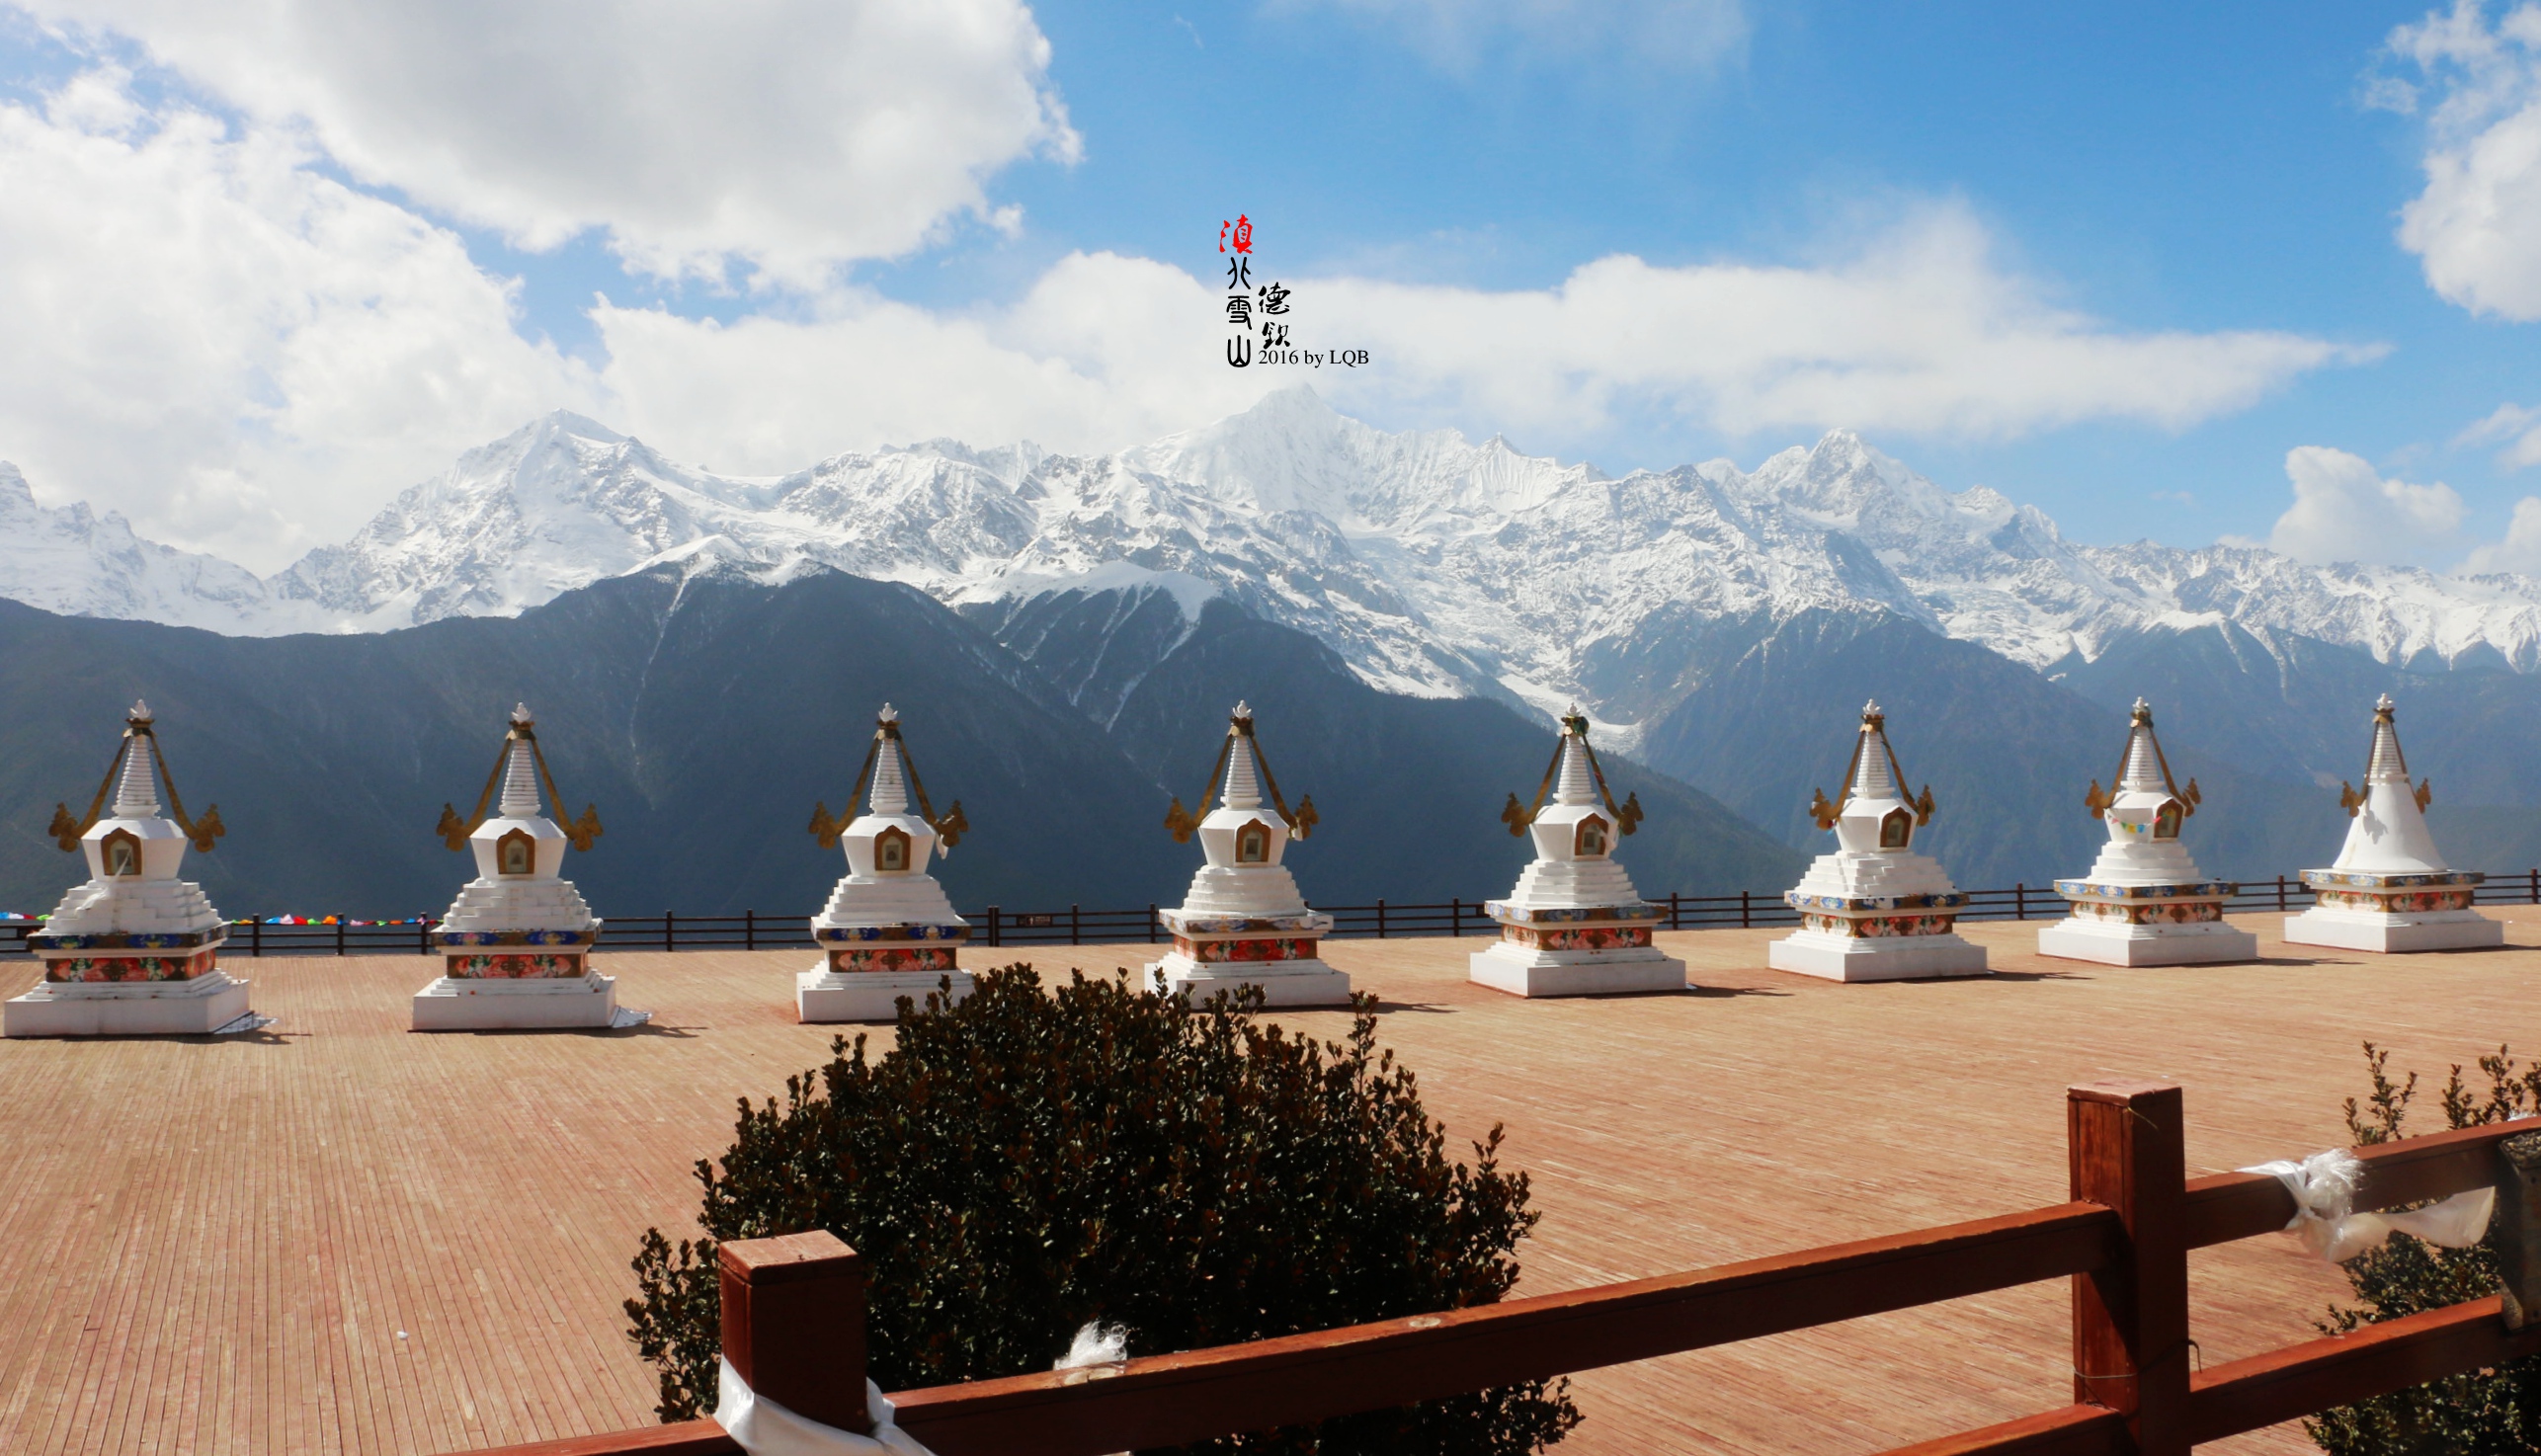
(2486, 1413)
(1023, 1164)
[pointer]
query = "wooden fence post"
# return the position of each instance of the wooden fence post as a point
(670, 929)
(1155, 926)
(1455, 916)
(2131, 1320)
(748, 929)
(2516, 1234)
(2280, 892)
(793, 1324)
(1380, 918)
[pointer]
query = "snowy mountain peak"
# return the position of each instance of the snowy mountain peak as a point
(76, 562)
(1431, 563)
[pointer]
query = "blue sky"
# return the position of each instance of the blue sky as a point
(2170, 235)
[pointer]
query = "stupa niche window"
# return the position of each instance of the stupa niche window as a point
(891, 851)
(516, 853)
(2165, 820)
(1896, 829)
(120, 853)
(1589, 839)
(1253, 844)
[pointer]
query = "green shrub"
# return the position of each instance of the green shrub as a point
(1023, 1164)
(2486, 1413)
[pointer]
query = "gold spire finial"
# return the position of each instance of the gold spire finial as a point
(950, 825)
(201, 833)
(520, 727)
(1575, 724)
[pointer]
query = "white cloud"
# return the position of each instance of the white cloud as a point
(2519, 425)
(1456, 33)
(2477, 226)
(236, 351)
(209, 333)
(1102, 352)
(793, 135)
(1920, 333)
(2521, 550)
(2345, 511)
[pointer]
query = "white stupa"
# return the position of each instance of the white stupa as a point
(2390, 889)
(887, 932)
(516, 945)
(1243, 922)
(2144, 902)
(1574, 925)
(134, 951)
(1874, 910)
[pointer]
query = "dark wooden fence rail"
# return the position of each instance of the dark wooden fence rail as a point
(1075, 925)
(2123, 1242)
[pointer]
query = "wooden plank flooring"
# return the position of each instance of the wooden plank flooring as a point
(337, 1236)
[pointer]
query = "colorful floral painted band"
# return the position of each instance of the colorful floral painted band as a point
(454, 940)
(1520, 914)
(1950, 900)
(129, 940)
(2101, 890)
(956, 932)
(2367, 880)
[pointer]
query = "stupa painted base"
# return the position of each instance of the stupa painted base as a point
(2120, 944)
(1876, 958)
(1283, 983)
(1279, 951)
(545, 1003)
(2364, 929)
(824, 995)
(195, 1007)
(1521, 971)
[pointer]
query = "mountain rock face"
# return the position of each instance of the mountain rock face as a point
(705, 712)
(1434, 566)
(1723, 625)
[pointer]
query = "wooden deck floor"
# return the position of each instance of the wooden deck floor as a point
(336, 1235)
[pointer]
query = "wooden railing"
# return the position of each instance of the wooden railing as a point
(997, 925)
(2123, 1242)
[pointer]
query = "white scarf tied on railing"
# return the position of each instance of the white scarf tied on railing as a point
(765, 1429)
(2323, 1186)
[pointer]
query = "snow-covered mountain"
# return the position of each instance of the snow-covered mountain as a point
(77, 563)
(1433, 564)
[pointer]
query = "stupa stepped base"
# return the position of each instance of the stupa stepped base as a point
(531, 1004)
(1283, 983)
(2120, 944)
(1524, 971)
(2364, 929)
(824, 995)
(1876, 958)
(196, 1007)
